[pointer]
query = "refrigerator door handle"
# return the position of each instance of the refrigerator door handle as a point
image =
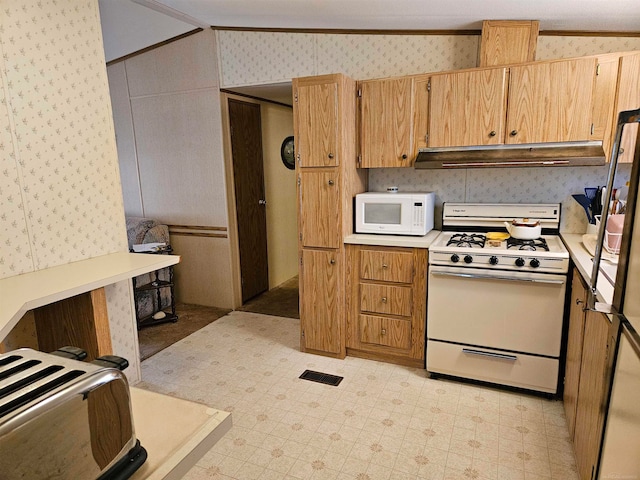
(624, 118)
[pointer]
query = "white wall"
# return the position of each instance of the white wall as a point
(280, 192)
(129, 27)
(60, 193)
(168, 125)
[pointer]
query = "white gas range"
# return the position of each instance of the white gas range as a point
(495, 306)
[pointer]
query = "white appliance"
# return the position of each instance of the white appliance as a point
(394, 213)
(621, 439)
(495, 306)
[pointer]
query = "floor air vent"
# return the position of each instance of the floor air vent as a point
(320, 377)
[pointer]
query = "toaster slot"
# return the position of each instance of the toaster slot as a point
(31, 387)
(9, 372)
(7, 360)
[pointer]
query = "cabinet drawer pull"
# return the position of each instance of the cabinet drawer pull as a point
(330, 155)
(492, 133)
(385, 266)
(384, 299)
(501, 356)
(513, 133)
(331, 182)
(383, 331)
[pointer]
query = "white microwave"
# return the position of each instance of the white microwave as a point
(394, 213)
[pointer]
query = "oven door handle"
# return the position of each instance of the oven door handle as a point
(492, 277)
(501, 356)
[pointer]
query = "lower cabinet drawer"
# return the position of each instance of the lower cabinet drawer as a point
(388, 299)
(524, 371)
(391, 332)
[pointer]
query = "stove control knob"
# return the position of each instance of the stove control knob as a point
(535, 263)
(455, 258)
(493, 260)
(520, 262)
(468, 259)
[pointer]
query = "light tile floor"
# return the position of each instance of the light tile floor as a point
(382, 422)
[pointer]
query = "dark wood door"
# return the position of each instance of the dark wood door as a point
(251, 209)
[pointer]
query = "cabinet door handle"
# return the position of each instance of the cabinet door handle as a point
(330, 155)
(384, 299)
(332, 261)
(331, 183)
(621, 150)
(383, 331)
(404, 156)
(513, 133)
(492, 133)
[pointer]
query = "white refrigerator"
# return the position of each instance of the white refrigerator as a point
(620, 453)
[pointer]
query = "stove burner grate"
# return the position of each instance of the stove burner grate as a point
(535, 244)
(467, 240)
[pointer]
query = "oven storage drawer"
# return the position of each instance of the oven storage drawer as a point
(386, 266)
(386, 299)
(391, 332)
(505, 368)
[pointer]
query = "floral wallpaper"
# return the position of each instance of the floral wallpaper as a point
(550, 47)
(60, 190)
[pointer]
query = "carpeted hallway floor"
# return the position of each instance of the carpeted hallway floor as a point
(281, 301)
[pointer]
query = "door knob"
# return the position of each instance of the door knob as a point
(262, 202)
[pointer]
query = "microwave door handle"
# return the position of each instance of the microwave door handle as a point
(624, 118)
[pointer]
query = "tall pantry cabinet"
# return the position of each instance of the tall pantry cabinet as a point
(324, 117)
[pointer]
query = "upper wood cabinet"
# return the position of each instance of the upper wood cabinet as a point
(604, 97)
(316, 118)
(504, 42)
(628, 98)
(386, 115)
(468, 108)
(550, 101)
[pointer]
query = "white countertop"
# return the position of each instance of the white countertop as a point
(424, 241)
(21, 293)
(584, 263)
(176, 433)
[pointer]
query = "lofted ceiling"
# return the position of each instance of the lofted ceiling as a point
(589, 15)
(131, 25)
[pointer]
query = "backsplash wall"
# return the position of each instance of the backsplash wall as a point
(503, 185)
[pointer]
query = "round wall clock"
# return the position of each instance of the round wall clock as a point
(287, 153)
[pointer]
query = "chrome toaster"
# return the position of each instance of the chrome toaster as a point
(66, 419)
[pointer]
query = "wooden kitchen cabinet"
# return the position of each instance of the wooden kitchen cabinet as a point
(320, 208)
(590, 347)
(386, 122)
(321, 297)
(575, 337)
(386, 303)
(468, 108)
(604, 97)
(627, 98)
(550, 101)
(317, 116)
(324, 119)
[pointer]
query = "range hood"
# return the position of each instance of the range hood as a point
(522, 155)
